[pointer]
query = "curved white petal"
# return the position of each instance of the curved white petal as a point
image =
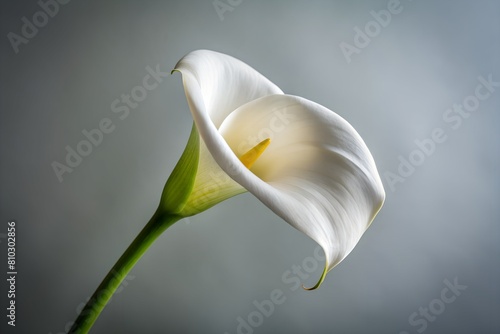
(225, 83)
(317, 173)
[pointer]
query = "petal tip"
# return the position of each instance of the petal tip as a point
(320, 281)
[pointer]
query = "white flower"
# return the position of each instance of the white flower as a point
(302, 160)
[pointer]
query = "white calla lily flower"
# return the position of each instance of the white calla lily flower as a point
(303, 161)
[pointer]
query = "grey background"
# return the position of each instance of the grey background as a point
(205, 272)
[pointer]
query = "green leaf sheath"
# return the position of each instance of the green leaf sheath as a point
(155, 227)
(181, 181)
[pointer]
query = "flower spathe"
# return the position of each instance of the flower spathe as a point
(308, 164)
(303, 161)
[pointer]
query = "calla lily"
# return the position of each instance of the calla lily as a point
(315, 172)
(303, 161)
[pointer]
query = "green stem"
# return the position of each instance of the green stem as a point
(154, 228)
